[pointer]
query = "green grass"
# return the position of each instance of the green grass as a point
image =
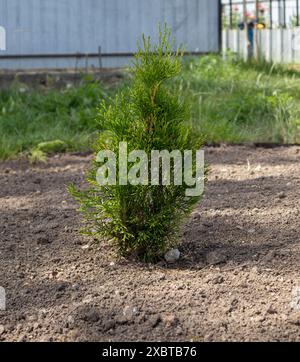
(231, 101)
(29, 117)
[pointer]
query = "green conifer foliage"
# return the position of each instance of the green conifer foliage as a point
(142, 220)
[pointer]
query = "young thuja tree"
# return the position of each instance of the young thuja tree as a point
(142, 219)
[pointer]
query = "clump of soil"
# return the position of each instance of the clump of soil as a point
(237, 279)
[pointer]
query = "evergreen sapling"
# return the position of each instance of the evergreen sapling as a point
(143, 220)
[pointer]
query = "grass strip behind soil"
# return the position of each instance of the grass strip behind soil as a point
(231, 101)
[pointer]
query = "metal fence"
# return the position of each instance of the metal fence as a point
(267, 29)
(273, 13)
(85, 33)
(276, 45)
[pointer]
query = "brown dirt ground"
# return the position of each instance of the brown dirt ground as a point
(235, 280)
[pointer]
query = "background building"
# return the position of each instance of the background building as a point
(85, 33)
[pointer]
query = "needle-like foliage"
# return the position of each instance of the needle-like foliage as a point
(143, 220)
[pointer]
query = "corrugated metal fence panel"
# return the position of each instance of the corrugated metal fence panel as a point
(71, 26)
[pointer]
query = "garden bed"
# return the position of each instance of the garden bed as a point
(239, 264)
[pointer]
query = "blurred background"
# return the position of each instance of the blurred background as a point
(60, 58)
(273, 29)
(100, 33)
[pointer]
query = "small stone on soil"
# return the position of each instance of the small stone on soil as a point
(172, 255)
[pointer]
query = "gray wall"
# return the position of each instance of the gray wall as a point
(72, 26)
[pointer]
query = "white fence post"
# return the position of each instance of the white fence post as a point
(2, 38)
(278, 45)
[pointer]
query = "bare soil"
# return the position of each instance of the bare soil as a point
(237, 278)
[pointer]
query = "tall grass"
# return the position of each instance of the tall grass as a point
(28, 117)
(234, 101)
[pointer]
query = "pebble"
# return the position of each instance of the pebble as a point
(172, 255)
(129, 312)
